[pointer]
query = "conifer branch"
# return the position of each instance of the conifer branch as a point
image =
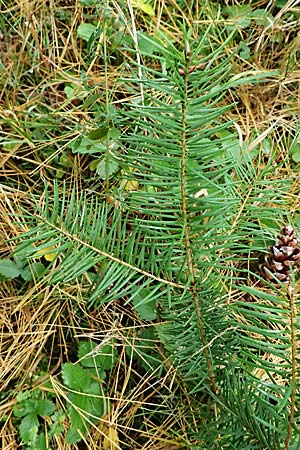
(186, 224)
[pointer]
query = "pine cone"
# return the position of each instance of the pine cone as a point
(283, 255)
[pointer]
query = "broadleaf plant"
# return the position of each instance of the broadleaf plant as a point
(31, 407)
(183, 242)
(87, 402)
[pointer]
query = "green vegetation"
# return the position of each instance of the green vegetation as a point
(149, 158)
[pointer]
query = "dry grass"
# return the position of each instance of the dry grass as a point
(41, 325)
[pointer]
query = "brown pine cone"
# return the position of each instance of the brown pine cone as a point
(283, 256)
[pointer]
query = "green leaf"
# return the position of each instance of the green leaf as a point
(21, 252)
(82, 408)
(98, 405)
(297, 219)
(93, 164)
(280, 3)
(238, 16)
(33, 271)
(98, 134)
(40, 442)
(45, 407)
(266, 146)
(114, 134)
(73, 436)
(88, 356)
(145, 305)
(77, 419)
(108, 356)
(86, 30)
(261, 17)
(143, 6)
(88, 146)
(88, 2)
(79, 405)
(57, 426)
(69, 91)
(230, 145)
(23, 396)
(9, 269)
(296, 157)
(74, 376)
(29, 428)
(27, 406)
(65, 160)
(107, 167)
(244, 50)
(104, 356)
(294, 151)
(147, 46)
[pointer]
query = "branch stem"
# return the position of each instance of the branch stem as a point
(293, 312)
(184, 207)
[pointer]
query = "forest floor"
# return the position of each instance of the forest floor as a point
(63, 70)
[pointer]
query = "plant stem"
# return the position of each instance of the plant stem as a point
(292, 308)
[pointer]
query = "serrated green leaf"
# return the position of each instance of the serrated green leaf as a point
(262, 17)
(40, 442)
(77, 421)
(29, 428)
(87, 354)
(27, 406)
(108, 355)
(82, 408)
(23, 396)
(107, 167)
(86, 30)
(104, 356)
(98, 404)
(45, 407)
(57, 427)
(9, 269)
(74, 376)
(72, 436)
(78, 406)
(93, 404)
